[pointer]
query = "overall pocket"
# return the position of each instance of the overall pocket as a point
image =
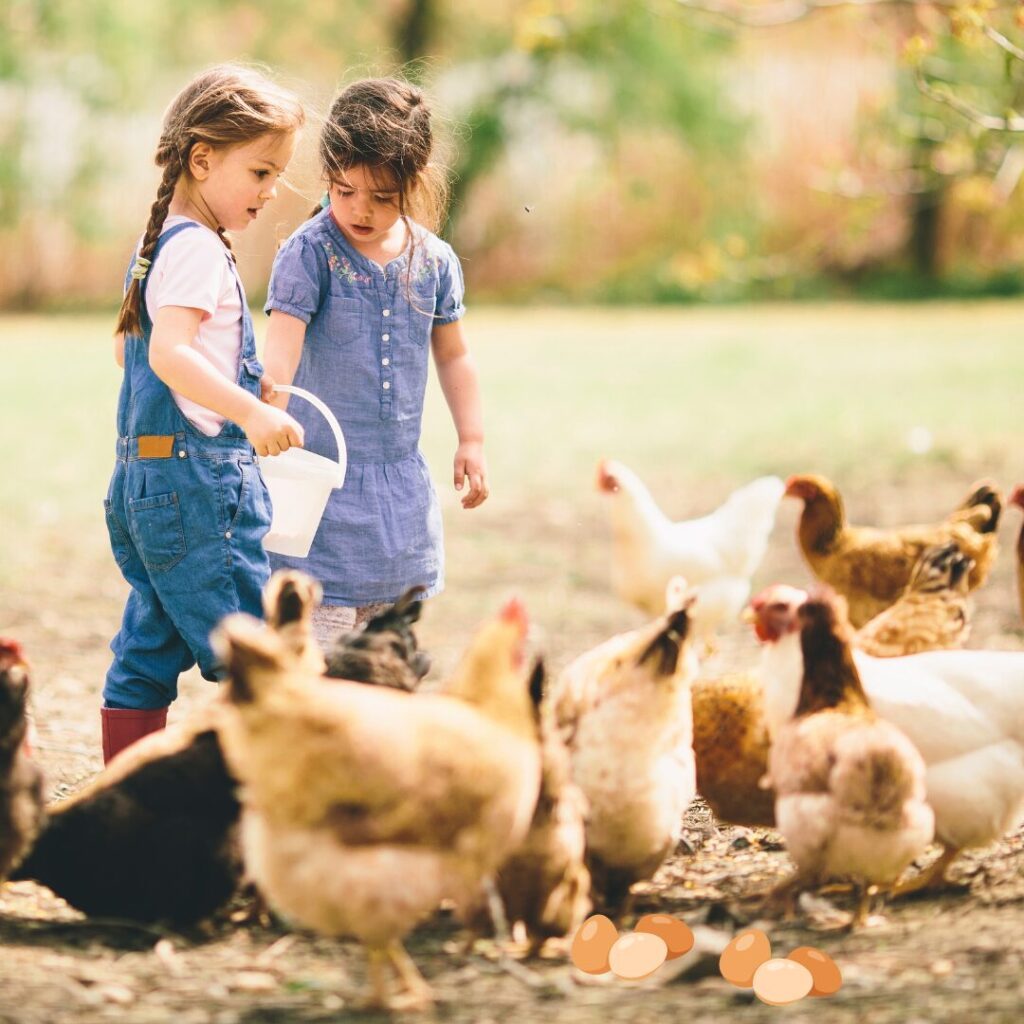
(156, 528)
(119, 543)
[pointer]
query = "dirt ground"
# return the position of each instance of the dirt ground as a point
(958, 957)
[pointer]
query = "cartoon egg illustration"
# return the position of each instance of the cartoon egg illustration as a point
(777, 982)
(637, 955)
(742, 957)
(825, 973)
(675, 931)
(592, 943)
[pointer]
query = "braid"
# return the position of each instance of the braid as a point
(129, 320)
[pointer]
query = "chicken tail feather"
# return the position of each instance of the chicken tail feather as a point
(669, 640)
(246, 649)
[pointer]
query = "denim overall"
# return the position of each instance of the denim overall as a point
(186, 515)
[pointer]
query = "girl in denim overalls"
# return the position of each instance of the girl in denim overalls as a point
(359, 295)
(187, 508)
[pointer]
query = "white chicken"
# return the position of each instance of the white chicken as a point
(623, 709)
(963, 710)
(717, 553)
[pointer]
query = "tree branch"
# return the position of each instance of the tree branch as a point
(1003, 43)
(990, 122)
(785, 12)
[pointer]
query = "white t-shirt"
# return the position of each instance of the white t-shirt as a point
(193, 271)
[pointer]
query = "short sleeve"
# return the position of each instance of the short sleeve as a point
(297, 281)
(451, 288)
(191, 269)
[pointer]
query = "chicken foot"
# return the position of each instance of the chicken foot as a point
(932, 879)
(415, 993)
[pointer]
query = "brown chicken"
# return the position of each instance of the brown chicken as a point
(871, 567)
(624, 710)
(730, 737)
(545, 884)
(165, 811)
(931, 614)
(364, 807)
(730, 746)
(850, 787)
(1017, 498)
(21, 782)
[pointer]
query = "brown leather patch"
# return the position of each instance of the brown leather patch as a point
(156, 446)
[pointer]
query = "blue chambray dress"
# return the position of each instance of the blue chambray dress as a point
(366, 354)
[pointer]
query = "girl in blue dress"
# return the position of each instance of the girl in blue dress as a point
(359, 295)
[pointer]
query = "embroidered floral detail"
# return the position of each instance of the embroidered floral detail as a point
(424, 267)
(342, 266)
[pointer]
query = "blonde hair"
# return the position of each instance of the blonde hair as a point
(228, 105)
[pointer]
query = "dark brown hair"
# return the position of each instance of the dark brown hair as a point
(383, 124)
(228, 105)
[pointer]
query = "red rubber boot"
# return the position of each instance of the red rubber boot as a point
(123, 726)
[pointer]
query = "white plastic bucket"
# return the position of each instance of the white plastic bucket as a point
(300, 482)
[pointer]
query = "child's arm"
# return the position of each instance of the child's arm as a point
(461, 386)
(119, 349)
(187, 371)
(285, 337)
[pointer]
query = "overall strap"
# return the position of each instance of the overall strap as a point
(144, 320)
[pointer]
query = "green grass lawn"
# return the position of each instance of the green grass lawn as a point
(696, 400)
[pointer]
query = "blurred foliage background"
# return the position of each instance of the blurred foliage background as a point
(601, 150)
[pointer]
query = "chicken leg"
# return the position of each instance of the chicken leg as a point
(932, 879)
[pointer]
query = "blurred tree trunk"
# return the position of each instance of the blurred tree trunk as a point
(414, 31)
(927, 206)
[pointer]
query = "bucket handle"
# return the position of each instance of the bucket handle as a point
(332, 422)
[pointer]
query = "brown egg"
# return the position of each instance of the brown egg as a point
(673, 930)
(825, 973)
(637, 955)
(743, 956)
(592, 943)
(777, 982)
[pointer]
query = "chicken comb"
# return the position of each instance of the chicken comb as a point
(11, 649)
(779, 593)
(514, 611)
(606, 480)
(1017, 496)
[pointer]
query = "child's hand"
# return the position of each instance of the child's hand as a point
(266, 387)
(271, 430)
(470, 462)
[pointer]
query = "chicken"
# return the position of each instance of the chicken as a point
(365, 806)
(21, 782)
(930, 615)
(730, 747)
(545, 884)
(730, 738)
(623, 709)
(154, 836)
(1017, 498)
(871, 567)
(963, 710)
(717, 553)
(384, 649)
(850, 792)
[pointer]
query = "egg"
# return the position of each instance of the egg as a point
(777, 982)
(592, 943)
(673, 930)
(742, 957)
(825, 973)
(637, 955)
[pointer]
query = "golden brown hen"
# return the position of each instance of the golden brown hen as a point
(545, 884)
(850, 787)
(930, 615)
(364, 807)
(730, 736)
(871, 567)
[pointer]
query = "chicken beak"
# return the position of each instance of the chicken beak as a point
(748, 615)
